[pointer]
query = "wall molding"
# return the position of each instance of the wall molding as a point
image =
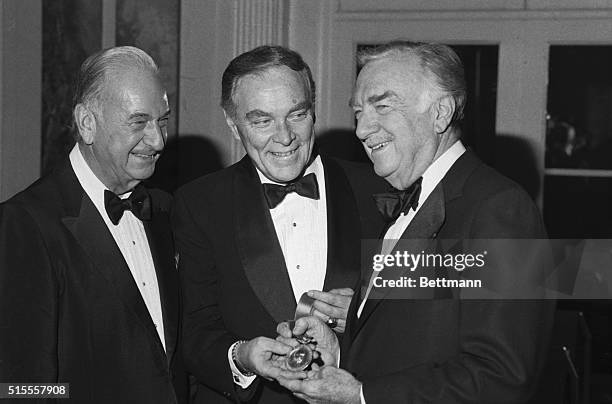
(403, 15)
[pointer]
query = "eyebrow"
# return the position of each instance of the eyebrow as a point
(301, 105)
(374, 98)
(140, 115)
(258, 113)
(143, 115)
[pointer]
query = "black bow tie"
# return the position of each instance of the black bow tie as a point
(306, 186)
(139, 203)
(392, 204)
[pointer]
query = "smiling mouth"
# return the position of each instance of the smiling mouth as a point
(379, 146)
(284, 154)
(146, 156)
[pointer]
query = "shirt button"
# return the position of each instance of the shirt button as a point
(297, 266)
(144, 284)
(294, 224)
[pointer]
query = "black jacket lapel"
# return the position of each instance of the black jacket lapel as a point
(343, 229)
(428, 222)
(91, 233)
(424, 227)
(162, 249)
(258, 246)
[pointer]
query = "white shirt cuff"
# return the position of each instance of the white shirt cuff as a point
(240, 379)
(361, 397)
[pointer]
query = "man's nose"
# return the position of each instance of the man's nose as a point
(366, 125)
(155, 136)
(284, 135)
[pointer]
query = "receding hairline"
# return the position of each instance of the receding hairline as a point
(261, 73)
(116, 76)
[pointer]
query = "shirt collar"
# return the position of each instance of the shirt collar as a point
(438, 169)
(93, 187)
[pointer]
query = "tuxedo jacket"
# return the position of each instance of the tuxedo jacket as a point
(441, 349)
(233, 274)
(70, 310)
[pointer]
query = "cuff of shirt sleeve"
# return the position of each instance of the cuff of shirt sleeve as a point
(361, 397)
(239, 378)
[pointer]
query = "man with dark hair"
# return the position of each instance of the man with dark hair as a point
(254, 237)
(88, 280)
(432, 345)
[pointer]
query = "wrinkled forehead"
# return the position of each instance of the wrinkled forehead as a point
(140, 91)
(274, 77)
(142, 81)
(400, 74)
(277, 89)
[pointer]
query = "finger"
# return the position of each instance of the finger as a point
(284, 329)
(328, 310)
(277, 369)
(294, 385)
(304, 324)
(329, 298)
(343, 291)
(315, 374)
(301, 396)
(275, 347)
(292, 375)
(288, 341)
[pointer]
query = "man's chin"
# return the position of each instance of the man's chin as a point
(284, 176)
(142, 174)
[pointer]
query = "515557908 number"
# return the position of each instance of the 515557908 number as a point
(34, 390)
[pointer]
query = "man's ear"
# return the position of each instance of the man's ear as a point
(232, 125)
(444, 109)
(86, 123)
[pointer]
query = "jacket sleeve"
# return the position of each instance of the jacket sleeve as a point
(29, 295)
(205, 339)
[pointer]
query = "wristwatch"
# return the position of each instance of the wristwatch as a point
(241, 369)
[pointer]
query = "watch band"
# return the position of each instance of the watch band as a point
(239, 366)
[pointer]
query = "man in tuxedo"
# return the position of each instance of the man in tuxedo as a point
(88, 278)
(432, 345)
(255, 236)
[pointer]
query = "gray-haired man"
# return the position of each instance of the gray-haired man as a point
(88, 280)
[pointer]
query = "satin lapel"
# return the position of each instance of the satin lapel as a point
(424, 226)
(162, 250)
(91, 233)
(429, 219)
(258, 246)
(343, 229)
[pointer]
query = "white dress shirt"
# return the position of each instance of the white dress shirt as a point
(301, 229)
(130, 236)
